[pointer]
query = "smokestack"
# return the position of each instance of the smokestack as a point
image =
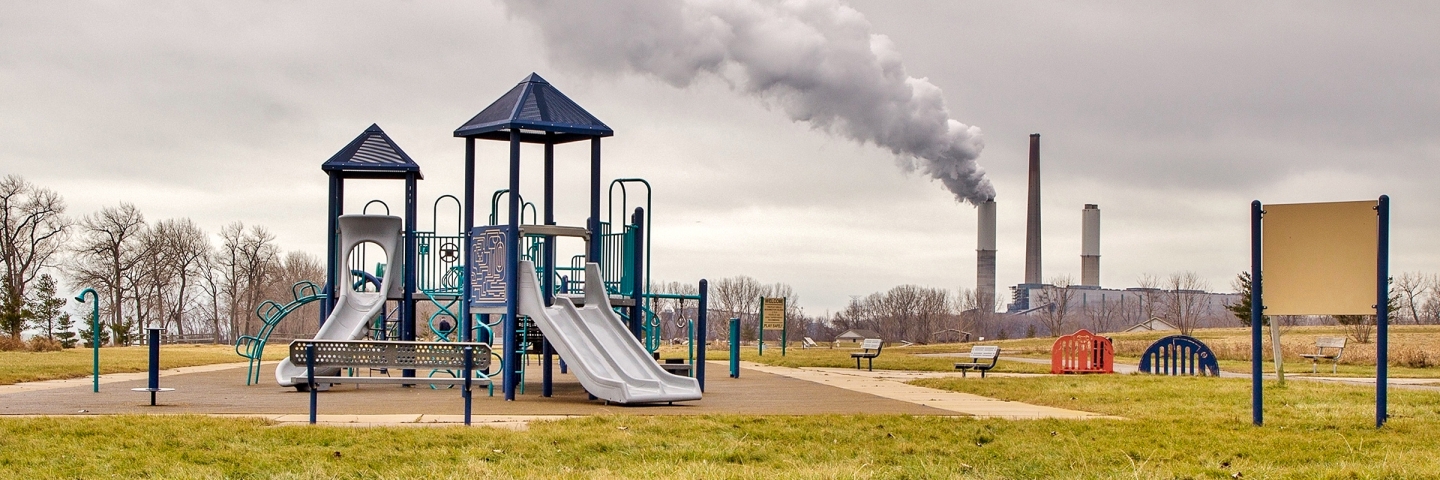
(985, 255)
(1090, 245)
(1032, 217)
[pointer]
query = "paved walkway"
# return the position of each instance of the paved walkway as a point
(891, 384)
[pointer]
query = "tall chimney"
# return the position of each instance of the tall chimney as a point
(1090, 245)
(1032, 217)
(985, 255)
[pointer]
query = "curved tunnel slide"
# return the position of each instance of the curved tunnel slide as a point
(354, 310)
(608, 360)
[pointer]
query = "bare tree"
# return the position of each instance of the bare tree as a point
(739, 297)
(1103, 313)
(1412, 287)
(1185, 303)
(33, 229)
(108, 250)
(1055, 300)
(295, 267)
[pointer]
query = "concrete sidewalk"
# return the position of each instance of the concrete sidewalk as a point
(891, 384)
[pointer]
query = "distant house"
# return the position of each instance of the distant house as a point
(1152, 325)
(856, 336)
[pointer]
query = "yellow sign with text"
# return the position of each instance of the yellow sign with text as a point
(772, 313)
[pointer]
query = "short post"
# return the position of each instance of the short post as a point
(469, 366)
(735, 347)
(310, 378)
(153, 385)
(701, 336)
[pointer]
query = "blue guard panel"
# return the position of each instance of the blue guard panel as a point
(1179, 355)
(488, 275)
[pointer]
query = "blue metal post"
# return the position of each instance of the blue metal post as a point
(310, 378)
(700, 336)
(735, 347)
(1382, 313)
(467, 321)
(512, 264)
(469, 374)
(407, 299)
(1257, 316)
(594, 254)
(154, 375)
(94, 333)
(332, 242)
(546, 351)
(637, 288)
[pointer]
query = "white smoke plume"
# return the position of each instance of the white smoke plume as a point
(818, 60)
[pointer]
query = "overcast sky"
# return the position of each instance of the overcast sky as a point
(1171, 116)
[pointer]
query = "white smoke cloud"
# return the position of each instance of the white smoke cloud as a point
(816, 59)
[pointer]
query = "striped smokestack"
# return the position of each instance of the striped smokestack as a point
(1090, 245)
(1032, 217)
(985, 255)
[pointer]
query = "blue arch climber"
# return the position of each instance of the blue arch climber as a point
(1179, 355)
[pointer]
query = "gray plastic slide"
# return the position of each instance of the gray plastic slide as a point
(608, 360)
(354, 310)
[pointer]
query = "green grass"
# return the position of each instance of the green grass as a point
(17, 367)
(1175, 427)
(890, 358)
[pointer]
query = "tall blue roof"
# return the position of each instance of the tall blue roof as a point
(535, 108)
(374, 153)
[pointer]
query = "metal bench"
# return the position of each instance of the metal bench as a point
(378, 354)
(977, 354)
(1337, 344)
(871, 347)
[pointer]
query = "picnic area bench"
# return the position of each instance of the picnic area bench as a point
(807, 343)
(459, 358)
(870, 349)
(978, 354)
(1337, 346)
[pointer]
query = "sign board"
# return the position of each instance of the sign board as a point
(1320, 258)
(772, 313)
(489, 275)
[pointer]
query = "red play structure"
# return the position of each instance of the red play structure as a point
(1082, 352)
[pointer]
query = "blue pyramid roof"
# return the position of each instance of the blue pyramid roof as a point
(539, 111)
(373, 154)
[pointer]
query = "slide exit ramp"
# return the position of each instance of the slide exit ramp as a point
(353, 310)
(608, 360)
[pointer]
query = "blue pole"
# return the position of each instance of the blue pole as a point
(594, 252)
(1382, 313)
(407, 299)
(310, 378)
(702, 319)
(512, 264)
(94, 333)
(1257, 316)
(154, 375)
(467, 321)
(637, 287)
(735, 347)
(546, 351)
(469, 367)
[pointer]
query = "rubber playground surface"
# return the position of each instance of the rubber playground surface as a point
(760, 390)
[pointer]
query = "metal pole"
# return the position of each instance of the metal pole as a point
(469, 368)
(1382, 313)
(784, 327)
(154, 375)
(407, 299)
(547, 352)
(760, 341)
(467, 321)
(595, 238)
(310, 378)
(702, 319)
(637, 289)
(94, 333)
(512, 264)
(735, 347)
(1257, 316)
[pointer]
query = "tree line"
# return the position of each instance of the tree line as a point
(167, 274)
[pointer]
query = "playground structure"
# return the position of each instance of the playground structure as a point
(1082, 352)
(1179, 355)
(456, 274)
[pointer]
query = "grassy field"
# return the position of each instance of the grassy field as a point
(1174, 428)
(16, 367)
(904, 358)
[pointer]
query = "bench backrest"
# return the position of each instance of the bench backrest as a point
(986, 352)
(871, 344)
(390, 354)
(809, 342)
(1330, 342)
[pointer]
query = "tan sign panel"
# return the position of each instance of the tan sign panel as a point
(772, 313)
(1319, 258)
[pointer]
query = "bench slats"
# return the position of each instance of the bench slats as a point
(391, 354)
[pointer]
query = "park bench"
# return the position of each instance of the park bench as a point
(978, 354)
(808, 343)
(1337, 346)
(334, 355)
(870, 349)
